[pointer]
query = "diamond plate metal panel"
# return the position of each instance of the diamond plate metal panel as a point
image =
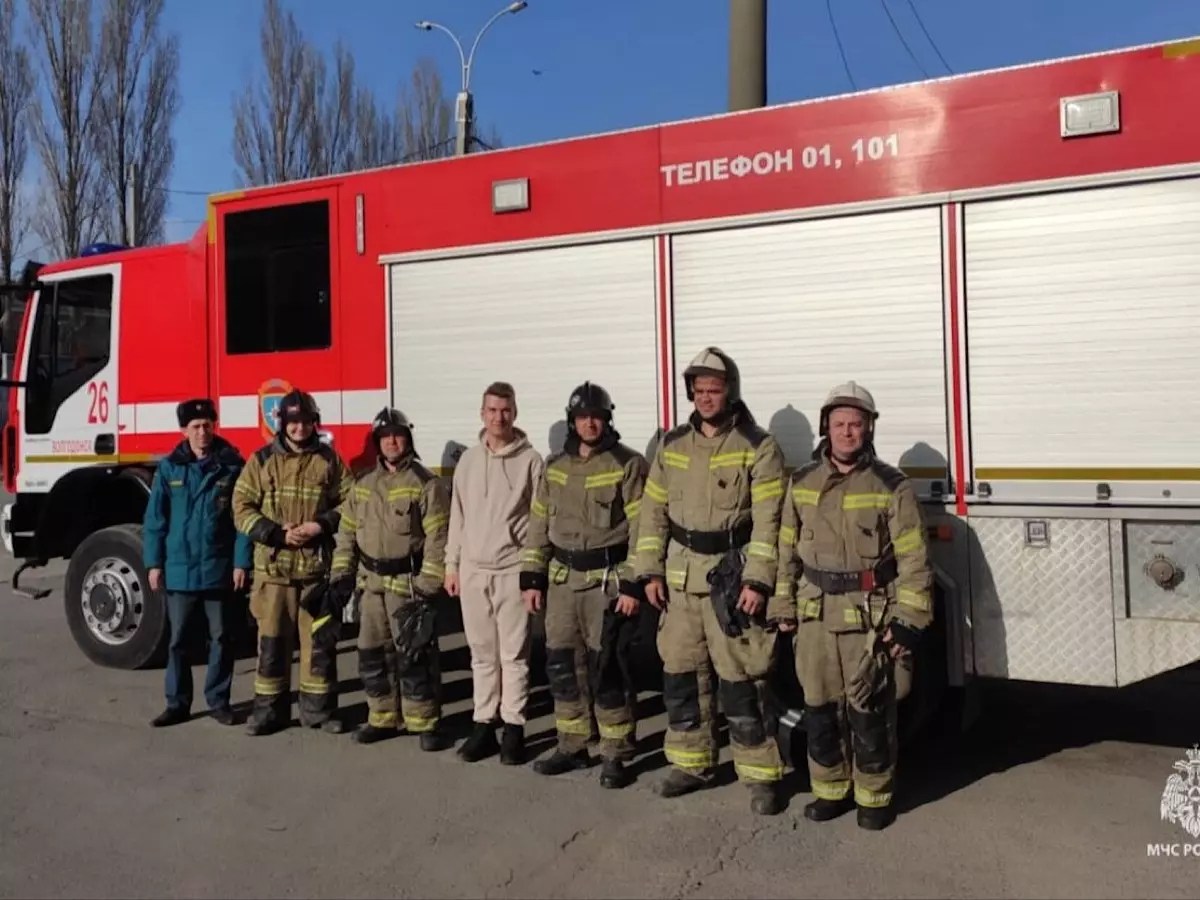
(1174, 549)
(1147, 647)
(1043, 613)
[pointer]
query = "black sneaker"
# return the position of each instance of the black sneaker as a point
(480, 744)
(224, 715)
(558, 762)
(172, 715)
(512, 745)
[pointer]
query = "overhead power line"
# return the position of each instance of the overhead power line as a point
(841, 50)
(925, 31)
(900, 35)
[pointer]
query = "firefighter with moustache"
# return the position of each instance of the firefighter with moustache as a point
(287, 501)
(709, 527)
(576, 562)
(854, 572)
(393, 531)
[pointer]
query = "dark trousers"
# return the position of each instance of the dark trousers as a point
(219, 679)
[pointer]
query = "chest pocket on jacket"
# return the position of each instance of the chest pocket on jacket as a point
(223, 494)
(728, 486)
(870, 534)
(602, 504)
(402, 510)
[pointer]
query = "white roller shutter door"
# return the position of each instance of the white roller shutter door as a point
(804, 306)
(1083, 314)
(544, 320)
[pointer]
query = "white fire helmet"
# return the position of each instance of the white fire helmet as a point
(850, 394)
(714, 362)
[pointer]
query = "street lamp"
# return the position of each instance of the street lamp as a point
(464, 107)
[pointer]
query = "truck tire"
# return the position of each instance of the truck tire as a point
(114, 617)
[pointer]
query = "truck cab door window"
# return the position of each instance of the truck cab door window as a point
(71, 344)
(277, 279)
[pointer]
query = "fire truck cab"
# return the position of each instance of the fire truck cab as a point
(1006, 259)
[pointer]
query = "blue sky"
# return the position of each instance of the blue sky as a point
(610, 64)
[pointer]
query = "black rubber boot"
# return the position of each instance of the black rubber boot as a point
(614, 775)
(822, 810)
(764, 799)
(258, 727)
(433, 741)
(678, 782)
(558, 763)
(172, 715)
(875, 819)
(512, 745)
(333, 726)
(369, 734)
(481, 743)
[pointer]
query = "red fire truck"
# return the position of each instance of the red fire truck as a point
(1008, 260)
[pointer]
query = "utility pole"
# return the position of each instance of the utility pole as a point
(464, 119)
(747, 54)
(131, 206)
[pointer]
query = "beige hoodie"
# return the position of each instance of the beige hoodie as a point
(489, 504)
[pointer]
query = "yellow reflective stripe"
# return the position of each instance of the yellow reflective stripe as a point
(632, 509)
(409, 491)
(573, 726)
(656, 492)
(787, 534)
(431, 569)
(762, 550)
(377, 719)
(767, 490)
(852, 616)
(309, 686)
(871, 799)
(173, 483)
(249, 522)
(269, 687)
(910, 540)
(317, 623)
(737, 459)
(783, 588)
(811, 608)
(830, 790)
(676, 460)
(556, 476)
(615, 732)
(247, 490)
(649, 544)
(361, 493)
(603, 479)
(918, 600)
(429, 524)
(866, 501)
(688, 759)
(538, 508)
(676, 577)
(401, 585)
(419, 724)
(350, 523)
(534, 556)
(805, 496)
(293, 490)
(748, 772)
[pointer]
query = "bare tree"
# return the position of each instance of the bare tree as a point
(16, 93)
(136, 105)
(67, 212)
(272, 127)
(425, 114)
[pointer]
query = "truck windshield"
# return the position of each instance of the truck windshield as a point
(69, 345)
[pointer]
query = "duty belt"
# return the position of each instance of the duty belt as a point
(866, 580)
(587, 560)
(399, 565)
(710, 543)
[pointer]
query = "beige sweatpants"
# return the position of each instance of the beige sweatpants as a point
(497, 628)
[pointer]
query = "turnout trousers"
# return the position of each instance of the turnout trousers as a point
(574, 626)
(276, 607)
(848, 747)
(416, 693)
(688, 636)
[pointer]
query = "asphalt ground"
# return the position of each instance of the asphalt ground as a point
(1054, 793)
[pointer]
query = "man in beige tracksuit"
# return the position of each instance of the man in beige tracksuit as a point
(493, 489)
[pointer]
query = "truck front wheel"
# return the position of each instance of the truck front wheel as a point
(114, 617)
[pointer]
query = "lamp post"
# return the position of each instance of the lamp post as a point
(464, 106)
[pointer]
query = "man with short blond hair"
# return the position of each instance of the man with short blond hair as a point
(493, 489)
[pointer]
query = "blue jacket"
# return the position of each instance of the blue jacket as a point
(188, 529)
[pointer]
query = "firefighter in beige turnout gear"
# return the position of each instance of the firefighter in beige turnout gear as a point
(854, 570)
(393, 532)
(716, 485)
(576, 560)
(287, 499)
